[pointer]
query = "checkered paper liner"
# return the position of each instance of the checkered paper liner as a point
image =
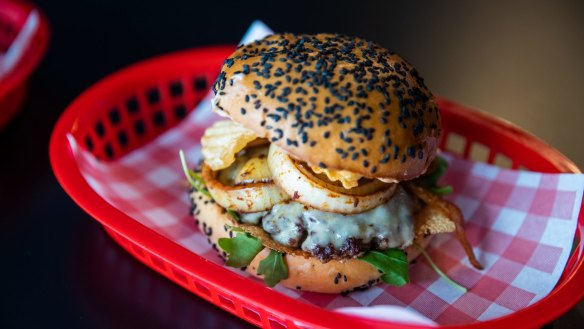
(521, 225)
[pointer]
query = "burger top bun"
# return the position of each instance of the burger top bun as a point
(333, 101)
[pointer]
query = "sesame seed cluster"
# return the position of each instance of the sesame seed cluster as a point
(333, 101)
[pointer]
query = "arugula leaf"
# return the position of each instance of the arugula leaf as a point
(438, 271)
(194, 179)
(393, 263)
(234, 228)
(241, 249)
(441, 190)
(430, 179)
(273, 268)
(233, 214)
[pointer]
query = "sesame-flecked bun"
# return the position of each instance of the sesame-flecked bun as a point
(308, 274)
(333, 101)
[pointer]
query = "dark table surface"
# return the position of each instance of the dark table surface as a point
(518, 60)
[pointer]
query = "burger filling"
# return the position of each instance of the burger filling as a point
(329, 235)
(329, 214)
(386, 223)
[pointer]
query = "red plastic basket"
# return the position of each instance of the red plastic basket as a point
(13, 15)
(173, 85)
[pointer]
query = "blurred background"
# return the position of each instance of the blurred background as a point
(520, 60)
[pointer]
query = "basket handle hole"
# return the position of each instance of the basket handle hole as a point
(203, 290)
(200, 83)
(227, 302)
(153, 96)
(180, 111)
(251, 315)
(479, 152)
(455, 143)
(132, 105)
(175, 88)
(158, 118)
(275, 324)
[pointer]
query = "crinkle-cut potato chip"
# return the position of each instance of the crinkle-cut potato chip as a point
(347, 178)
(222, 141)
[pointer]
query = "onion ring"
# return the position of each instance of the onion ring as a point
(303, 187)
(251, 197)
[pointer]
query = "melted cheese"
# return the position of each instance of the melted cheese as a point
(296, 225)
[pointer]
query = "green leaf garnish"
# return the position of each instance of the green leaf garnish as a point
(393, 263)
(233, 214)
(441, 190)
(273, 268)
(241, 249)
(234, 228)
(194, 179)
(438, 271)
(430, 179)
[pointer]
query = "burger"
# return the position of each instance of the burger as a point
(323, 176)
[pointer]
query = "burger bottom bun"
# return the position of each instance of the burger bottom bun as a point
(308, 274)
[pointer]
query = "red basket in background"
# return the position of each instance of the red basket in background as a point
(14, 16)
(129, 108)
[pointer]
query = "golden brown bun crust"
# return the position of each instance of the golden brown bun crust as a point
(307, 274)
(333, 101)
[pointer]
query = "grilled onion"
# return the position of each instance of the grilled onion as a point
(304, 186)
(243, 186)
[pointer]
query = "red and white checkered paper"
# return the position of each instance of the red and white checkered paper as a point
(521, 225)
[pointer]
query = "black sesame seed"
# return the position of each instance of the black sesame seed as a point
(365, 163)
(242, 111)
(411, 151)
(385, 159)
(273, 116)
